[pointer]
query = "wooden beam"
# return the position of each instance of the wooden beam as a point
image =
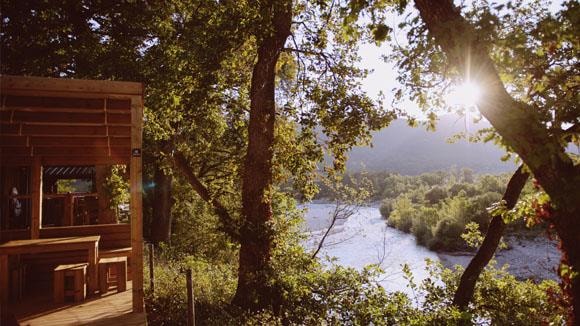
(15, 151)
(7, 160)
(79, 141)
(53, 117)
(32, 84)
(64, 151)
(13, 141)
(7, 128)
(86, 160)
(28, 129)
(24, 92)
(118, 118)
(56, 130)
(58, 110)
(63, 141)
(60, 141)
(36, 201)
(136, 204)
(117, 104)
(52, 102)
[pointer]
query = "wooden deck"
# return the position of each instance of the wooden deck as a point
(112, 309)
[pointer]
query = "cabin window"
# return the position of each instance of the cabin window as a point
(84, 195)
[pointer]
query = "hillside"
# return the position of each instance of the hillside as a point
(400, 148)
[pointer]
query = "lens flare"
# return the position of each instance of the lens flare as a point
(465, 95)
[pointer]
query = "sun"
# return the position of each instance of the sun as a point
(464, 95)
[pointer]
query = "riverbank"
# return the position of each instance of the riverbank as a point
(527, 258)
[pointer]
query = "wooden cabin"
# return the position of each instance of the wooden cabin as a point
(61, 140)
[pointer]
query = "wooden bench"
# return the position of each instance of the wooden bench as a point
(70, 281)
(120, 266)
(115, 242)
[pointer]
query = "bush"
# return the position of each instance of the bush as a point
(435, 195)
(386, 207)
(214, 284)
(447, 235)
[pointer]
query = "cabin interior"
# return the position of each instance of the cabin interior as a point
(70, 168)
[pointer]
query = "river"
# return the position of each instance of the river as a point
(365, 238)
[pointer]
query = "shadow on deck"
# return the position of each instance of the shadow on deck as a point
(111, 309)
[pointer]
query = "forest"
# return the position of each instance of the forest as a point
(251, 109)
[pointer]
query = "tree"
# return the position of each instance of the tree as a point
(324, 92)
(525, 60)
(162, 202)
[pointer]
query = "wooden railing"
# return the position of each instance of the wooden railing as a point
(7, 235)
(70, 204)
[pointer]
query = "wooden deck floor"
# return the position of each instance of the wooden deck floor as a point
(112, 309)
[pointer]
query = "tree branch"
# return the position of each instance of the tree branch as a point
(229, 225)
(464, 292)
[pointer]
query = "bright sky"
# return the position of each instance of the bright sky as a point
(383, 75)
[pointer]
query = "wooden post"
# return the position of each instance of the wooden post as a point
(151, 270)
(36, 198)
(190, 300)
(4, 281)
(136, 203)
(69, 208)
(106, 214)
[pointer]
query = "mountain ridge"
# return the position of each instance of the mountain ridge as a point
(407, 150)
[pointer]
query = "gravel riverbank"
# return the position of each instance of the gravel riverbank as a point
(535, 258)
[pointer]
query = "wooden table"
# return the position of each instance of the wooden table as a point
(32, 246)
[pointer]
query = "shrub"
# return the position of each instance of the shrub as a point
(447, 235)
(435, 195)
(386, 207)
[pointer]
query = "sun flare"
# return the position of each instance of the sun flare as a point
(465, 95)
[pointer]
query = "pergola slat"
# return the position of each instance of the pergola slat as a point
(62, 117)
(39, 84)
(115, 118)
(9, 128)
(14, 141)
(53, 102)
(83, 151)
(61, 110)
(76, 130)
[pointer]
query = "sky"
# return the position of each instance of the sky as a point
(383, 75)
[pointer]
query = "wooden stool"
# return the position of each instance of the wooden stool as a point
(120, 266)
(70, 281)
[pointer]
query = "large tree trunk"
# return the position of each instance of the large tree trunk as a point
(253, 291)
(162, 202)
(464, 292)
(519, 126)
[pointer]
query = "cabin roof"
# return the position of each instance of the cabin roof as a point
(67, 121)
